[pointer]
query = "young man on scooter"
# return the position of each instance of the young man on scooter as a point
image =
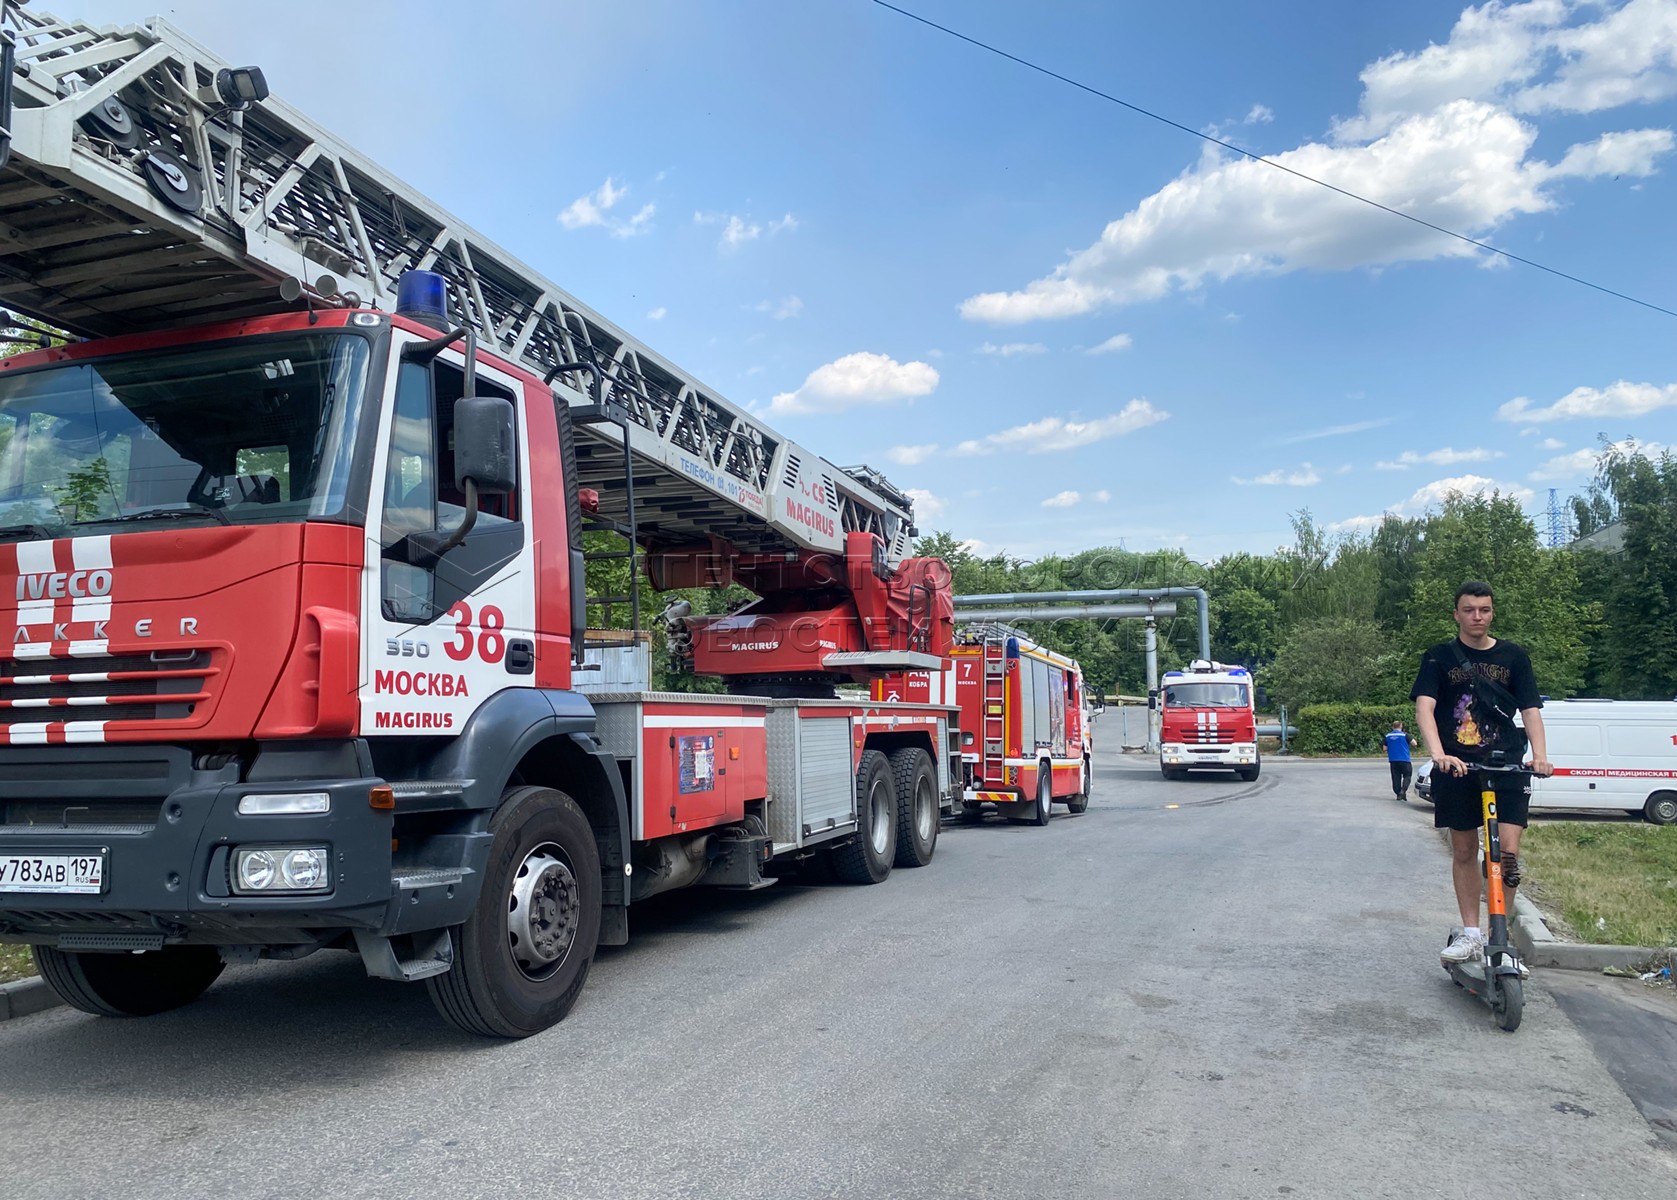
(1464, 696)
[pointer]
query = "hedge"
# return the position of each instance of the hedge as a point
(1349, 728)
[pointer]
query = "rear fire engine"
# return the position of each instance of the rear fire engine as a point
(1025, 742)
(292, 604)
(1207, 719)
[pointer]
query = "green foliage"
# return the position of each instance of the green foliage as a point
(1539, 602)
(1328, 660)
(1635, 654)
(1347, 728)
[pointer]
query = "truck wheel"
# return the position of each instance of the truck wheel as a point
(1173, 772)
(129, 985)
(521, 958)
(868, 857)
(1080, 802)
(972, 813)
(1248, 774)
(917, 806)
(1661, 808)
(1044, 795)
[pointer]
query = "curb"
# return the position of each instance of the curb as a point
(1540, 949)
(25, 998)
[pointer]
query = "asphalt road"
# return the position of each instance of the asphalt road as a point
(1238, 996)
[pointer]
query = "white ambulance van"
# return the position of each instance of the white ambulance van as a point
(1611, 754)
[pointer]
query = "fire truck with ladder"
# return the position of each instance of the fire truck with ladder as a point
(293, 641)
(1208, 718)
(1025, 741)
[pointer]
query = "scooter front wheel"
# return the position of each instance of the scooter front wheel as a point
(1510, 1002)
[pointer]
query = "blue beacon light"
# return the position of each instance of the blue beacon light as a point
(423, 296)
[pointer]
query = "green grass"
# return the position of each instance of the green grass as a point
(15, 963)
(1611, 883)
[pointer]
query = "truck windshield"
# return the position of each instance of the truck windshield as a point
(250, 432)
(1205, 695)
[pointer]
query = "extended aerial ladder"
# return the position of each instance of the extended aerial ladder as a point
(150, 186)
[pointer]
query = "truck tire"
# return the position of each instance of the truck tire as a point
(1661, 808)
(129, 985)
(917, 806)
(1080, 802)
(868, 857)
(521, 958)
(1044, 795)
(1249, 774)
(1173, 772)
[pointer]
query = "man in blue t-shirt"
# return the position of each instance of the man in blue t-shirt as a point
(1397, 757)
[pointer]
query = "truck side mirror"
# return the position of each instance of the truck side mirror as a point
(1152, 697)
(1262, 695)
(485, 450)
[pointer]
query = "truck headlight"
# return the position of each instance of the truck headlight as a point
(281, 869)
(285, 804)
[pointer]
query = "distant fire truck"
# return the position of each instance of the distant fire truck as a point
(1026, 745)
(1207, 719)
(293, 649)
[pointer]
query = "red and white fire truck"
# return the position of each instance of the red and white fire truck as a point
(1207, 718)
(1025, 741)
(292, 583)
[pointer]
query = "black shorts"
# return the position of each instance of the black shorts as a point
(1456, 803)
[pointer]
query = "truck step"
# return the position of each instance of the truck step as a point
(432, 954)
(110, 941)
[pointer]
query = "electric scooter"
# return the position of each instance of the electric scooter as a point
(1495, 979)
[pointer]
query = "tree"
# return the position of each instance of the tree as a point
(1636, 655)
(1329, 660)
(1539, 603)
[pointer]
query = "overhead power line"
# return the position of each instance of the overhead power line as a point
(1268, 162)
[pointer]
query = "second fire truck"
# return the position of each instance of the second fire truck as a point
(1207, 719)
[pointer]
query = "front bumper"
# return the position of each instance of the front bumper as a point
(167, 831)
(1237, 754)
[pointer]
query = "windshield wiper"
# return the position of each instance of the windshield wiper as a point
(192, 510)
(31, 531)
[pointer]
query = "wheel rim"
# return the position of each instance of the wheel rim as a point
(543, 912)
(1045, 792)
(1666, 811)
(925, 811)
(880, 816)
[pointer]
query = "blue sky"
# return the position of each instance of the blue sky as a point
(1058, 323)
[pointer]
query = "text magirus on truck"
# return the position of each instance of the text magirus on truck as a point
(292, 590)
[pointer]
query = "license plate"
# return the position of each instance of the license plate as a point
(75, 874)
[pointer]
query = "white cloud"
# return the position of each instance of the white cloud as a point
(927, 507)
(860, 378)
(1446, 457)
(909, 456)
(1356, 524)
(1439, 136)
(1620, 399)
(1436, 492)
(1012, 348)
(1101, 496)
(595, 209)
(738, 229)
(1333, 431)
(782, 309)
(1581, 464)
(1053, 433)
(1261, 114)
(1553, 444)
(1062, 500)
(658, 314)
(1305, 476)
(1527, 58)
(1118, 341)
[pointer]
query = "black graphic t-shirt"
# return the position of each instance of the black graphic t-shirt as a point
(1469, 730)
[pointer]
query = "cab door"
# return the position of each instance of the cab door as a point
(443, 628)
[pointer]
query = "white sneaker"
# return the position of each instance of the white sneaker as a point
(1463, 948)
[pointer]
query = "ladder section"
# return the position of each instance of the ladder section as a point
(137, 197)
(995, 710)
